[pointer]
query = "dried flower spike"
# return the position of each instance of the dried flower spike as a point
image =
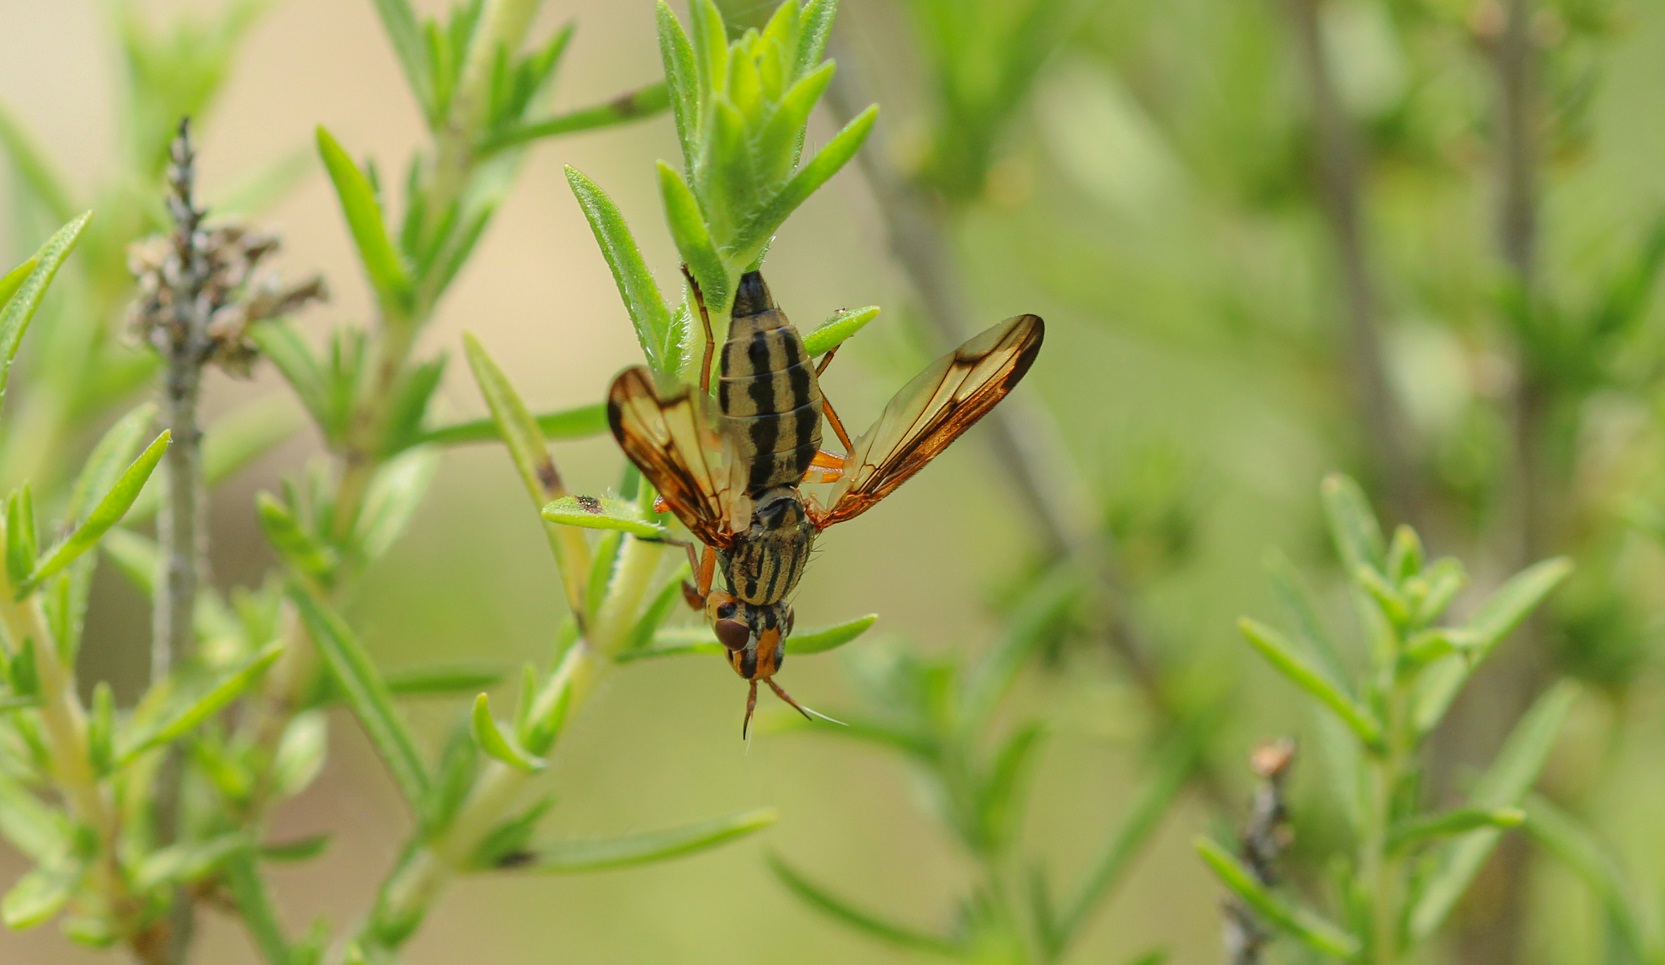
(202, 287)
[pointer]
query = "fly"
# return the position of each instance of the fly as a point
(730, 468)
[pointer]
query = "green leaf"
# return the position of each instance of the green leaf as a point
(20, 536)
(37, 830)
(998, 807)
(499, 745)
(301, 849)
(677, 641)
(40, 894)
(1502, 612)
(833, 332)
(693, 238)
(193, 709)
(1449, 824)
(642, 300)
(189, 861)
(530, 455)
(394, 496)
(441, 679)
(823, 639)
(1284, 657)
(861, 920)
(1353, 526)
(751, 239)
(814, 29)
(14, 279)
(592, 512)
(247, 888)
(20, 308)
(1505, 610)
(109, 510)
(681, 79)
(1299, 923)
(1503, 785)
(364, 219)
(574, 856)
(300, 367)
(631, 106)
(580, 423)
(101, 728)
(399, 20)
(104, 465)
(507, 846)
(1576, 844)
(366, 692)
(297, 547)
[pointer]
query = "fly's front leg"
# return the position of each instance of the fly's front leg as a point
(826, 406)
(704, 565)
(710, 337)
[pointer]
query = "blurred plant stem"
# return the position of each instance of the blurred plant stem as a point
(1261, 844)
(1028, 447)
(1340, 195)
(181, 528)
(1496, 926)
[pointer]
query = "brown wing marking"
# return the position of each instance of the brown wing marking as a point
(931, 411)
(676, 445)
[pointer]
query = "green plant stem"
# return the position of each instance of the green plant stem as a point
(64, 726)
(428, 865)
(1539, 484)
(1381, 870)
(1340, 196)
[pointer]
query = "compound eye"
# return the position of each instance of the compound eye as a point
(733, 634)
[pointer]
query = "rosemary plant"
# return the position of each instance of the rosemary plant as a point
(1411, 863)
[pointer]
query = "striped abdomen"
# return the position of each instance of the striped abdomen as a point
(767, 560)
(767, 391)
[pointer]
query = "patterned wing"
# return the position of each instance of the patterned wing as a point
(931, 411)
(674, 441)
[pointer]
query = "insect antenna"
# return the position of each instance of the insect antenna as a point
(808, 713)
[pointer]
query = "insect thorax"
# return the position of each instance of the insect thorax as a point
(768, 559)
(767, 391)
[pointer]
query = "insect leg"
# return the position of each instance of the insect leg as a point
(710, 338)
(826, 467)
(751, 705)
(826, 406)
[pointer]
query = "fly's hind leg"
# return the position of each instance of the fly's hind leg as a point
(826, 467)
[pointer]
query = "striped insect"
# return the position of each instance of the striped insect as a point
(730, 468)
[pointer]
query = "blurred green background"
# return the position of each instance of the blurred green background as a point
(1154, 194)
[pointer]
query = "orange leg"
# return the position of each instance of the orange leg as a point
(826, 467)
(710, 338)
(826, 406)
(704, 565)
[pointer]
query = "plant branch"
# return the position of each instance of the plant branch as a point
(1538, 481)
(185, 346)
(1028, 451)
(1261, 844)
(64, 726)
(1341, 198)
